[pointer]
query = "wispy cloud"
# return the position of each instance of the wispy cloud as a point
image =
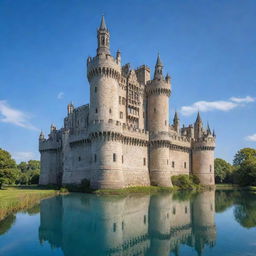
(205, 106)
(246, 99)
(23, 156)
(60, 95)
(14, 116)
(251, 137)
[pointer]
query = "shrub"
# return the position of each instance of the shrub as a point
(195, 180)
(182, 181)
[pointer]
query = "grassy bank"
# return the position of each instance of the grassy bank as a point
(234, 186)
(133, 190)
(13, 199)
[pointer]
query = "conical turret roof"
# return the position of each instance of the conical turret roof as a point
(158, 61)
(103, 24)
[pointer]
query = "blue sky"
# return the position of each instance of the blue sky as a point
(208, 48)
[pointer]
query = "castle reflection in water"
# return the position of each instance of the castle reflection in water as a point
(133, 225)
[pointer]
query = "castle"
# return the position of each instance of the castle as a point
(123, 137)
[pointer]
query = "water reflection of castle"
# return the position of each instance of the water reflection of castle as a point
(144, 225)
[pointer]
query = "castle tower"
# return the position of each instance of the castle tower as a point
(176, 122)
(104, 72)
(203, 147)
(158, 93)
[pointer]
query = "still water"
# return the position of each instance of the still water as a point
(207, 223)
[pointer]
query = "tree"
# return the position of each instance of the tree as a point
(33, 165)
(6, 161)
(222, 170)
(22, 166)
(245, 175)
(244, 154)
(10, 175)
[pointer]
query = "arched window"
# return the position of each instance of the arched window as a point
(96, 110)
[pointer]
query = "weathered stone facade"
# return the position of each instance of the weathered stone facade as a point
(123, 138)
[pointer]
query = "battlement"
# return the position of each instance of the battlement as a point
(49, 144)
(106, 61)
(204, 143)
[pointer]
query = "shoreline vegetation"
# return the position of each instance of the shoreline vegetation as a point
(18, 198)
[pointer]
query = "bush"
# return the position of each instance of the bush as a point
(182, 181)
(195, 180)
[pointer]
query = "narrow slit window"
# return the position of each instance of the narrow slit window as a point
(144, 161)
(114, 157)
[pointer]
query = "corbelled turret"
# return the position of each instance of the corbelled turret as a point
(103, 38)
(158, 68)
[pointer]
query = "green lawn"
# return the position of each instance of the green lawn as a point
(13, 199)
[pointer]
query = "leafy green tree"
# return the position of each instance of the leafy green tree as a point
(245, 175)
(10, 175)
(243, 155)
(222, 170)
(6, 160)
(23, 166)
(33, 165)
(2, 182)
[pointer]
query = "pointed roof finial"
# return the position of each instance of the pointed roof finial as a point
(208, 128)
(176, 116)
(158, 61)
(103, 24)
(198, 118)
(213, 133)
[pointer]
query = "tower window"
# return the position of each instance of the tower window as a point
(154, 110)
(144, 161)
(185, 165)
(110, 111)
(121, 115)
(145, 219)
(174, 210)
(165, 122)
(210, 168)
(122, 225)
(167, 161)
(95, 158)
(96, 110)
(79, 158)
(186, 209)
(95, 89)
(173, 164)
(122, 159)
(123, 101)
(120, 100)
(114, 227)
(114, 157)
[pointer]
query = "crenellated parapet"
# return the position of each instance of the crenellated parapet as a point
(205, 143)
(105, 65)
(49, 145)
(158, 87)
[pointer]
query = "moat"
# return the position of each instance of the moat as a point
(206, 223)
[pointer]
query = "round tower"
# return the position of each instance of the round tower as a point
(104, 72)
(203, 153)
(158, 93)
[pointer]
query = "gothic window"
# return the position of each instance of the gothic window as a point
(185, 165)
(210, 168)
(114, 157)
(144, 161)
(123, 101)
(102, 40)
(173, 164)
(114, 227)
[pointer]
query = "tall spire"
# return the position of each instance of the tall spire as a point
(158, 68)
(103, 24)
(198, 118)
(208, 129)
(176, 118)
(103, 39)
(158, 61)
